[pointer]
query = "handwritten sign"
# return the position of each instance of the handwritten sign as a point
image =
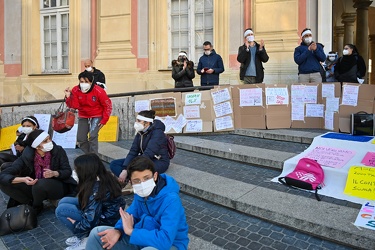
(67, 139)
(191, 111)
(369, 159)
(224, 122)
(222, 109)
(311, 94)
(193, 99)
(109, 132)
(350, 95)
(220, 95)
(164, 106)
(277, 96)
(8, 136)
(179, 123)
(194, 126)
(314, 110)
(331, 157)
(328, 120)
(168, 122)
(328, 90)
(361, 182)
(366, 216)
(332, 104)
(43, 120)
(297, 93)
(141, 105)
(298, 111)
(251, 97)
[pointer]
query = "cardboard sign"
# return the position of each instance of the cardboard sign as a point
(277, 96)
(164, 106)
(361, 182)
(193, 99)
(109, 132)
(366, 216)
(8, 136)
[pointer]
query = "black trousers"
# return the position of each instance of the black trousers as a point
(42, 190)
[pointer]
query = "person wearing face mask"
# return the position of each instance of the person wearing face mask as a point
(329, 66)
(150, 141)
(350, 67)
(210, 66)
(308, 56)
(94, 109)
(155, 219)
(251, 55)
(183, 71)
(99, 77)
(42, 172)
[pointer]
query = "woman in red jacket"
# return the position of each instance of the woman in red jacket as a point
(94, 108)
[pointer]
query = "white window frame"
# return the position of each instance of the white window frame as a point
(192, 49)
(58, 12)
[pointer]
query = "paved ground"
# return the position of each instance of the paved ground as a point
(224, 228)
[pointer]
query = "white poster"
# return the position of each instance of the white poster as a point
(332, 104)
(350, 95)
(192, 111)
(224, 122)
(222, 109)
(179, 123)
(168, 122)
(220, 95)
(141, 105)
(193, 99)
(277, 96)
(366, 216)
(314, 110)
(297, 93)
(298, 111)
(311, 94)
(328, 120)
(194, 126)
(44, 121)
(251, 97)
(67, 139)
(328, 90)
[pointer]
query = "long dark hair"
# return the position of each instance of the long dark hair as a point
(89, 168)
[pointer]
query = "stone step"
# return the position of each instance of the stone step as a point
(322, 219)
(291, 135)
(247, 154)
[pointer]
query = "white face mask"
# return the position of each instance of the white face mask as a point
(331, 58)
(84, 86)
(27, 130)
(345, 52)
(308, 40)
(145, 188)
(138, 126)
(47, 147)
(250, 38)
(207, 52)
(89, 69)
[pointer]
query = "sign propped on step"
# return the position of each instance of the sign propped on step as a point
(366, 216)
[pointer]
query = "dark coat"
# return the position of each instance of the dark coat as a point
(309, 61)
(151, 143)
(244, 57)
(98, 76)
(98, 213)
(349, 67)
(212, 61)
(183, 77)
(24, 166)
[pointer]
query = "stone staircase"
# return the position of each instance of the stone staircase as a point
(234, 170)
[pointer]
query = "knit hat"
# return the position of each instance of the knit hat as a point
(36, 137)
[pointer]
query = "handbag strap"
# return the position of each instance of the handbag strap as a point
(8, 217)
(61, 108)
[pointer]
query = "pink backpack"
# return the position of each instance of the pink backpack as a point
(308, 175)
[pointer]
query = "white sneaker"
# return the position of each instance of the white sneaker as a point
(80, 245)
(72, 240)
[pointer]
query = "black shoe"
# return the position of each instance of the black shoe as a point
(12, 203)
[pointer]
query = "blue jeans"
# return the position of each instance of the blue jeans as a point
(94, 241)
(87, 134)
(116, 166)
(68, 207)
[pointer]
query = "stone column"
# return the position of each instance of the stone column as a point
(339, 39)
(348, 20)
(372, 56)
(362, 27)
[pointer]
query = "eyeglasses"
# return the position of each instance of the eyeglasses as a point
(139, 181)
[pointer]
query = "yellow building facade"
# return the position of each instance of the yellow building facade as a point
(134, 41)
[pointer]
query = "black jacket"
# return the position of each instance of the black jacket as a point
(24, 166)
(349, 67)
(244, 58)
(183, 77)
(98, 76)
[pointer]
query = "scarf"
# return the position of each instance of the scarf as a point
(41, 163)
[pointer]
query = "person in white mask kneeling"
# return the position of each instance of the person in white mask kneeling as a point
(42, 172)
(150, 141)
(155, 219)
